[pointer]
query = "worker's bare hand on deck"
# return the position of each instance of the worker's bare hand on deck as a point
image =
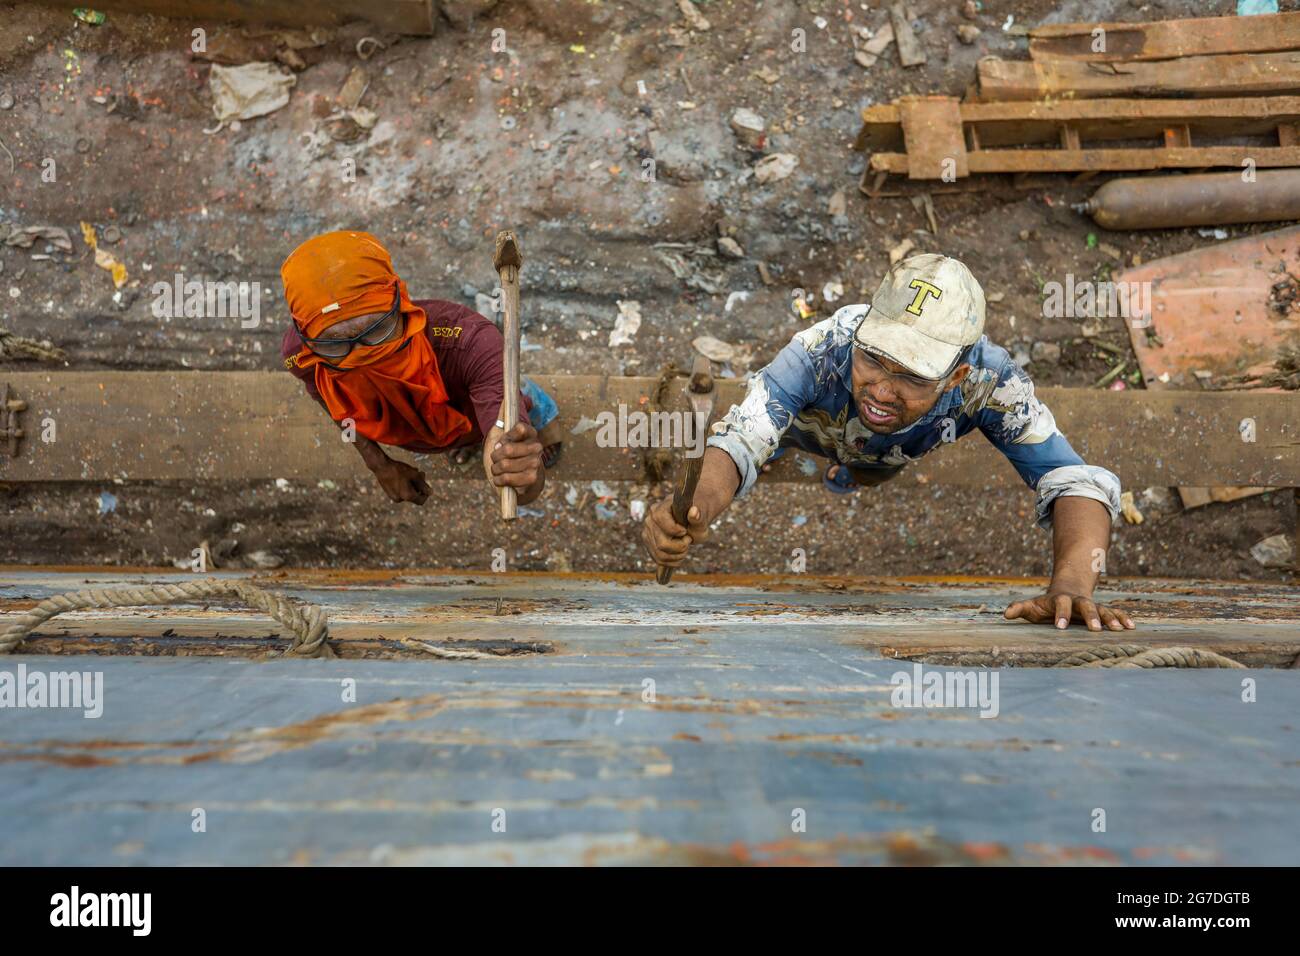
(516, 458)
(1061, 609)
(402, 482)
(665, 539)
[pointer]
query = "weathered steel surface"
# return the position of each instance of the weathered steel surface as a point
(206, 426)
(766, 702)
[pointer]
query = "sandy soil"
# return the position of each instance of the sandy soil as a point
(549, 137)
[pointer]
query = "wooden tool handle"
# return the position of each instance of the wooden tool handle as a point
(507, 259)
(510, 376)
(683, 497)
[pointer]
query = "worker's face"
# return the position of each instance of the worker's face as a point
(359, 335)
(889, 397)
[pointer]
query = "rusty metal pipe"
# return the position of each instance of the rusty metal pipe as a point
(1204, 199)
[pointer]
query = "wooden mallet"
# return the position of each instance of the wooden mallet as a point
(508, 261)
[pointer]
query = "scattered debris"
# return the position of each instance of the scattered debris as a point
(86, 15)
(107, 502)
(730, 248)
(24, 237)
(733, 298)
(968, 33)
(694, 19)
(774, 168)
(15, 347)
(867, 56)
(368, 46)
(1277, 551)
(248, 91)
(910, 51)
(897, 253)
(833, 291)
(691, 272)
(1129, 508)
(626, 324)
(1045, 352)
(750, 128)
(837, 205)
(104, 259)
(716, 350)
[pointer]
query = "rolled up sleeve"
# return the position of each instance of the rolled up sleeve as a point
(1024, 430)
(1076, 481)
(751, 431)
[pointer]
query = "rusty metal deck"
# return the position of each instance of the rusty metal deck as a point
(771, 696)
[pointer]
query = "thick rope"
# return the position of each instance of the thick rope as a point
(1139, 656)
(307, 622)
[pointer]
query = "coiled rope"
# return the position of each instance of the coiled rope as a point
(1141, 656)
(307, 622)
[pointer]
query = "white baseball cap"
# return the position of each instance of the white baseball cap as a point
(928, 310)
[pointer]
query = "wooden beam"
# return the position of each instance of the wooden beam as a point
(1259, 74)
(1104, 160)
(933, 136)
(413, 17)
(1165, 39)
(239, 426)
(1024, 124)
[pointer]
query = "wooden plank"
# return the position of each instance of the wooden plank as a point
(1105, 160)
(1096, 120)
(1165, 39)
(1022, 124)
(910, 50)
(413, 17)
(214, 426)
(932, 133)
(1201, 76)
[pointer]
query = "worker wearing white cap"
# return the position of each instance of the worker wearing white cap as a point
(877, 386)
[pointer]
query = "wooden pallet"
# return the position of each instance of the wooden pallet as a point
(939, 137)
(1165, 39)
(1237, 74)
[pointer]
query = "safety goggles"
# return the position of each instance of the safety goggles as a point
(384, 329)
(912, 387)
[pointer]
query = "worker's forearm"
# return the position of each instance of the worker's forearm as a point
(370, 453)
(1080, 536)
(719, 480)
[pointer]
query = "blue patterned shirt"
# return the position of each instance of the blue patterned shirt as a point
(804, 399)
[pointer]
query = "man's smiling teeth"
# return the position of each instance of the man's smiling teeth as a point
(877, 411)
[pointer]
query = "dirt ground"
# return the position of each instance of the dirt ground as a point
(548, 136)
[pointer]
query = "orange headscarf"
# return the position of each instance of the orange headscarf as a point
(392, 391)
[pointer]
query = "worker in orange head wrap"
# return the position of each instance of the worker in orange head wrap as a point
(423, 375)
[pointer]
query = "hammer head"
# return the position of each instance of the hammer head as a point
(507, 252)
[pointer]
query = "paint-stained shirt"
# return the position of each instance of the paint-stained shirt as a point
(804, 399)
(468, 349)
